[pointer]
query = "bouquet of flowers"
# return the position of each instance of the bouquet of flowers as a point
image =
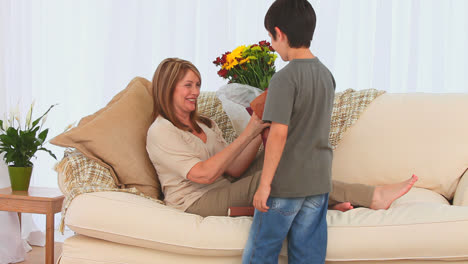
(252, 65)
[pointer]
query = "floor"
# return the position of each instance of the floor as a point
(37, 254)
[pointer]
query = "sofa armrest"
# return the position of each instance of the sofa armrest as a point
(461, 194)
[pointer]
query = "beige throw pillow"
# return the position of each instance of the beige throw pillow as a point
(115, 137)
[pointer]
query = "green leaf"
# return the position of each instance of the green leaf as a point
(39, 119)
(12, 132)
(34, 131)
(1, 125)
(43, 135)
(50, 152)
(9, 157)
(6, 140)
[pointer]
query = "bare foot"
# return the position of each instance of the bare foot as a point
(343, 207)
(385, 195)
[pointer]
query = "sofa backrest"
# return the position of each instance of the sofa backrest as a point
(403, 134)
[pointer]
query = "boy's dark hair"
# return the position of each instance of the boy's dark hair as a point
(296, 18)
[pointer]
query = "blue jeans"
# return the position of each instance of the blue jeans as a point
(302, 220)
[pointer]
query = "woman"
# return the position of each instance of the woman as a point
(191, 156)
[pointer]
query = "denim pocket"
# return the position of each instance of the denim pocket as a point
(315, 201)
(286, 206)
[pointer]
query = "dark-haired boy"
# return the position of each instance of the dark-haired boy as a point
(292, 198)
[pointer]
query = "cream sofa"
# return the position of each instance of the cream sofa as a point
(396, 136)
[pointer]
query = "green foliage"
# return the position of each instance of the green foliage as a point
(21, 144)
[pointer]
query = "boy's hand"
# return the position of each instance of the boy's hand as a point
(261, 197)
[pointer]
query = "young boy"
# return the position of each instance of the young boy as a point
(292, 198)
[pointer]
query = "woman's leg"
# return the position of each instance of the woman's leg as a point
(356, 194)
(217, 201)
(239, 193)
(379, 197)
(385, 195)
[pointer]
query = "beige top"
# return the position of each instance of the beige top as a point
(174, 152)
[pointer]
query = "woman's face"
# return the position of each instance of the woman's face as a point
(186, 93)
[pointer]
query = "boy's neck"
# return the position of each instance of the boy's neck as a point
(300, 53)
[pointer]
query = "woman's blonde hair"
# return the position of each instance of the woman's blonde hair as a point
(169, 72)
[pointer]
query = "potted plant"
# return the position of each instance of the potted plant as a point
(20, 143)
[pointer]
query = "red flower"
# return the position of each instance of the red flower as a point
(264, 43)
(223, 58)
(267, 44)
(223, 73)
(218, 61)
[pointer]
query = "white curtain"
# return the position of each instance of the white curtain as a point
(395, 45)
(81, 53)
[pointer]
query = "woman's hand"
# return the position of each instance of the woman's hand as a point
(255, 126)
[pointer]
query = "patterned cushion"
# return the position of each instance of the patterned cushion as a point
(210, 106)
(347, 108)
(80, 174)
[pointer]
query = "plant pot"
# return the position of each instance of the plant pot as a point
(20, 177)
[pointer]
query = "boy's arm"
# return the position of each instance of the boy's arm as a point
(273, 151)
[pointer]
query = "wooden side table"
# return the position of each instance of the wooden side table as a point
(37, 200)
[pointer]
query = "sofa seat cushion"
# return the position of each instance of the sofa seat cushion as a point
(134, 220)
(414, 231)
(423, 229)
(419, 225)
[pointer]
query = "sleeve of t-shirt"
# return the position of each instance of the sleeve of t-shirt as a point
(333, 79)
(280, 99)
(170, 152)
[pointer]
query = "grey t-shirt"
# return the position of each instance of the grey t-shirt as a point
(301, 96)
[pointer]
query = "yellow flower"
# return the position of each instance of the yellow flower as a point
(232, 64)
(244, 61)
(272, 59)
(238, 51)
(231, 58)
